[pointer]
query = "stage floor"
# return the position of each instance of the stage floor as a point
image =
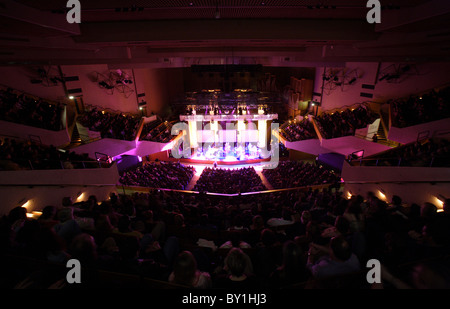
(227, 161)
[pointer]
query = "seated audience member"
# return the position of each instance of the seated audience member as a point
(337, 259)
(431, 275)
(298, 226)
(268, 255)
(124, 228)
(293, 268)
(84, 249)
(235, 241)
(67, 228)
(255, 229)
(48, 217)
(186, 273)
(234, 276)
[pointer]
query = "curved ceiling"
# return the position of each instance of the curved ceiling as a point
(164, 33)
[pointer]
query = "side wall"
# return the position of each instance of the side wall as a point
(48, 187)
(420, 78)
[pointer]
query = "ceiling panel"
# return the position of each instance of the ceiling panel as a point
(202, 4)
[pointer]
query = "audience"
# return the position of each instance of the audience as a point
(426, 153)
(420, 109)
(344, 123)
(166, 175)
(229, 181)
(22, 109)
(233, 275)
(315, 256)
(18, 155)
(185, 272)
(278, 239)
(291, 174)
(335, 259)
(292, 269)
(110, 125)
(157, 131)
(298, 130)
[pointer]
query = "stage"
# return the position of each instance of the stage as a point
(228, 161)
(226, 155)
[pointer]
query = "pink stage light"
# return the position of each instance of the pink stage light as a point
(169, 146)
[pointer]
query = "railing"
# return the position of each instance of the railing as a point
(423, 135)
(109, 110)
(396, 162)
(21, 164)
(362, 137)
(35, 138)
(103, 277)
(102, 157)
(357, 155)
(36, 98)
(133, 189)
(29, 95)
(344, 107)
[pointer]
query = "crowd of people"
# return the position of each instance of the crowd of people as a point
(427, 153)
(345, 122)
(292, 174)
(22, 109)
(110, 125)
(298, 130)
(302, 239)
(306, 238)
(418, 109)
(229, 181)
(157, 131)
(167, 175)
(25, 155)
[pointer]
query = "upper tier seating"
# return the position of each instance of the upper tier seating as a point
(344, 123)
(298, 130)
(110, 125)
(157, 131)
(417, 109)
(20, 108)
(20, 155)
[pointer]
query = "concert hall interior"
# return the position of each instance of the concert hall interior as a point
(205, 144)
